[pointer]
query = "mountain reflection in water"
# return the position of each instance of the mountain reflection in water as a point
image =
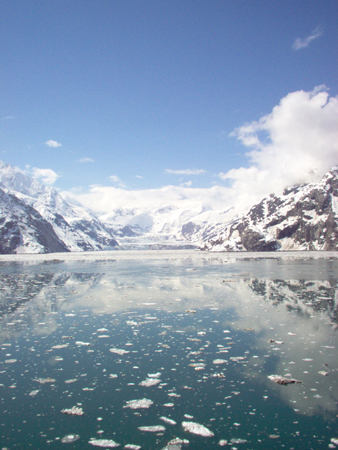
(212, 328)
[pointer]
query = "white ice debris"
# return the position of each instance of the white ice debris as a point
(150, 382)
(69, 438)
(334, 441)
(139, 404)
(282, 380)
(74, 411)
(33, 393)
(44, 380)
(175, 444)
(80, 343)
(223, 442)
(196, 428)
(153, 428)
(132, 447)
(118, 351)
(219, 361)
(103, 443)
(167, 420)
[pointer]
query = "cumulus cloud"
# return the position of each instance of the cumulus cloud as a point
(46, 176)
(302, 43)
(53, 144)
(86, 160)
(186, 171)
(296, 143)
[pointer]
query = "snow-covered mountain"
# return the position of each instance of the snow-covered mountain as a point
(36, 219)
(167, 226)
(302, 218)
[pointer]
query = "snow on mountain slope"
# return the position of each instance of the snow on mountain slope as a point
(302, 218)
(75, 227)
(167, 226)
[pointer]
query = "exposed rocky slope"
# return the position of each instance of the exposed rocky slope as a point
(302, 218)
(36, 219)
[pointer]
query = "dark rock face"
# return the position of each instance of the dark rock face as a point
(17, 216)
(303, 218)
(36, 219)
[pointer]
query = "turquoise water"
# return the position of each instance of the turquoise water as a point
(196, 337)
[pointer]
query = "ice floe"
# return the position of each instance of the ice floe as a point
(74, 411)
(197, 428)
(118, 351)
(150, 382)
(282, 380)
(103, 443)
(139, 404)
(153, 428)
(69, 438)
(167, 420)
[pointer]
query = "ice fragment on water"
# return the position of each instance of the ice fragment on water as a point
(196, 428)
(175, 444)
(44, 380)
(322, 372)
(103, 443)
(167, 420)
(334, 441)
(150, 382)
(153, 428)
(238, 441)
(223, 442)
(132, 447)
(80, 343)
(219, 361)
(57, 347)
(118, 351)
(282, 380)
(33, 393)
(69, 438)
(139, 404)
(74, 411)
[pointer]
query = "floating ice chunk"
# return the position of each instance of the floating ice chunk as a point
(10, 361)
(282, 380)
(307, 359)
(223, 442)
(153, 428)
(219, 361)
(103, 336)
(175, 444)
(188, 416)
(71, 380)
(69, 438)
(33, 393)
(80, 343)
(139, 404)
(118, 351)
(150, 382)
(113, 375)
(334, 441)
(168, 405)
(101, 330)
(154, 375)
(74, 411)
(167, 420)
(322, 372)
(238, 441)
(132, 447)
(103, 443)
(57, 347)
(44, 380)
(196, 428)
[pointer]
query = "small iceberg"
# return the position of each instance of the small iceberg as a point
(103, 443)
(196, 428)
(74, 411)
(69, 438)
(282, 380)
(153, 428)
(139, 404)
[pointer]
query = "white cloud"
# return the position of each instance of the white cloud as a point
(296, 143)
(302, 43)
(46, 176)
(86, 160)
(53, 144)
(186, 171)
(117, 180)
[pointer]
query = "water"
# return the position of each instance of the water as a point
(196, 335)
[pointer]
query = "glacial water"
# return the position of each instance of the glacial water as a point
(181, 342)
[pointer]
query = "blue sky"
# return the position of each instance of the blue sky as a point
(143, 94)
